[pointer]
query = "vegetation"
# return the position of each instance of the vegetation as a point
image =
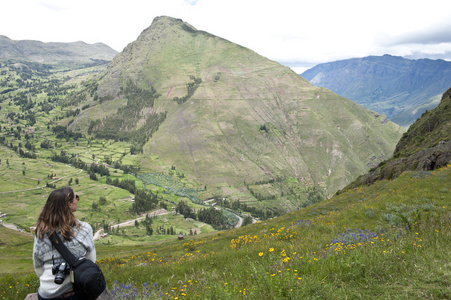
(232, 114)
(122, 126)
(378, 241)
(425, 146)
(191, 88)
(381, 241)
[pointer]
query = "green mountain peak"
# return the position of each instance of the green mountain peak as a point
(231, 119)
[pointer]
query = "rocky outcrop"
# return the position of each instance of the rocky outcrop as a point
(426, 146)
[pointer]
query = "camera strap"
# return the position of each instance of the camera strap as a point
(62, 249)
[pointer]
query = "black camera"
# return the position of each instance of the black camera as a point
(60, 272)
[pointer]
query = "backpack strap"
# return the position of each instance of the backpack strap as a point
(62, 249)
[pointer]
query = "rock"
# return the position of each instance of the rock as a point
(106, 295)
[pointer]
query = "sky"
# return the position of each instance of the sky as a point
(297, 33)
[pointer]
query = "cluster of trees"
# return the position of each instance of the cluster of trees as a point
(191, 88)
(45, 144)
(18, 148)
(75, 98)
(22, 100)
(128, 169)
(27, 154)
(210, 215)
(144, 201)
(61, 132)
(72, 113)
(79, 164)
(260, 196)
(122, 125)
(236, 205)
(262, 182)
(161, 230)
(213, 217)
(264, 128)
(96, 205)
(126, 184)
(313, 195)
(147, 222)
(184, 209)
(16, 117)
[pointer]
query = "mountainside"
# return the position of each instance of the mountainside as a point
(425, 146)
(36, 51)
(389, 85)
(231, 119)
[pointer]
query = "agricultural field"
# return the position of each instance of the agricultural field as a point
(38, 153)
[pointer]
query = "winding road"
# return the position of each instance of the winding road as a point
(158, 212)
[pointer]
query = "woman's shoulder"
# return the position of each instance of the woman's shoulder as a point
(84, 224)
(84, 227)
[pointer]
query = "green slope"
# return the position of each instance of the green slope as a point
(247, 121)
(385, 241)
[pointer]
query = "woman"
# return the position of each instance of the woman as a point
(58, 216)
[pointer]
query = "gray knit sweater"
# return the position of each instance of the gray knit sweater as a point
(82, 245)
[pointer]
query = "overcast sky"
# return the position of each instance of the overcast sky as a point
(296, 33)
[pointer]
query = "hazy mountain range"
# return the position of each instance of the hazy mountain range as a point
(402, 89)
(51, 53)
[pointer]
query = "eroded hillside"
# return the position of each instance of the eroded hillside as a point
(233, 120)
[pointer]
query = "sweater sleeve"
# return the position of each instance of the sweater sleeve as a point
(38, 263)
(87, 239)
(91, 253)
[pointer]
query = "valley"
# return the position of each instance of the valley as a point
(222, 174)
(402, 89)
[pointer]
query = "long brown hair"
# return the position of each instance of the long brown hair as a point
(56, 215)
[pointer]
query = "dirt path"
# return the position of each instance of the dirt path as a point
(158, 212)
(240, 222)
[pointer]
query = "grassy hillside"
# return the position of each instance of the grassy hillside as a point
(383, 241)
(37, 155)
(243, 126)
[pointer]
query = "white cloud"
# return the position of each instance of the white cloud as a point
(296, 33)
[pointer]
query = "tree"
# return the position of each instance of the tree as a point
(102, 200)
(247, 220)
(93, 176)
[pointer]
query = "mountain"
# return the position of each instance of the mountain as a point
(36, 51)
(426, 146)
(390, 85)
(231, 119)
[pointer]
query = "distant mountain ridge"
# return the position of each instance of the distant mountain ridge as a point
(36, 51)
(390, 85)
(233, 118)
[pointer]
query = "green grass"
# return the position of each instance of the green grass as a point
(250, 262)
(307, 254)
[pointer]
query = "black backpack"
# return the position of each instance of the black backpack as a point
(86, 276)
